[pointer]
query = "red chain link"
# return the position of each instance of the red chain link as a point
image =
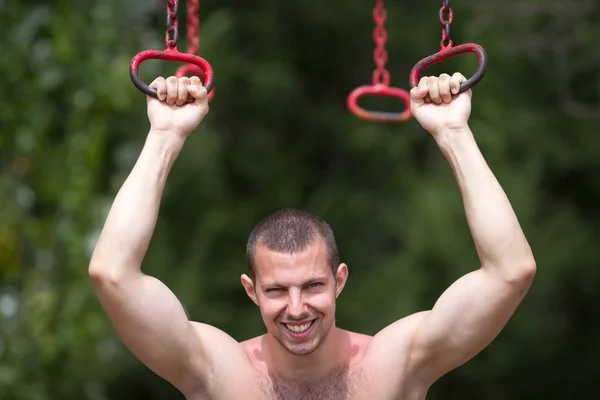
(446, 17)
(448, 51)
(381, 78)
(193, 36)
(193, 23)
(202, 68)
(380, 75)
(172, 25)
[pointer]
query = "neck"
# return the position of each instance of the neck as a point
(325, 361)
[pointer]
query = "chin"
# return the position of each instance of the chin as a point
(301, 349)
(306, 347)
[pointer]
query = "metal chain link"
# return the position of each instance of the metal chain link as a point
(172, 25)
(381, 75)
(193, 26)
(446, 17)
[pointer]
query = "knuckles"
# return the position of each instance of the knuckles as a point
(174, 89)
(443, 82)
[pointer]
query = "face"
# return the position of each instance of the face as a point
(296, 294)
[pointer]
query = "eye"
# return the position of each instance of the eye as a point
(270, 290)
(314, 285)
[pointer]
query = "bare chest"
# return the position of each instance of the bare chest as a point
(346, 385)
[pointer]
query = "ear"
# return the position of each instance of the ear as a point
(341, 276)
(249, 287)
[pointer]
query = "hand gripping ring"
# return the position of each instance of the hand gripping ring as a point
(194, 70)
(446, 53)
(168, 55)
(383, 91)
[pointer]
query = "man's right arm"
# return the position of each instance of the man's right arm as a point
(149, 319)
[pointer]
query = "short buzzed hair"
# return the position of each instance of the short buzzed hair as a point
(289, 231)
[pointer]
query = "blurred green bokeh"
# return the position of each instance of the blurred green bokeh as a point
(279, 135)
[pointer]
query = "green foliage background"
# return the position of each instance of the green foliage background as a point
(279, 135)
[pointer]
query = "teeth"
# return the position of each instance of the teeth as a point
(298, 328)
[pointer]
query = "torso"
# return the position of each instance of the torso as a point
(368, 375)
(342, 386)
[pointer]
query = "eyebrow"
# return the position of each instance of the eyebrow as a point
(275, 284)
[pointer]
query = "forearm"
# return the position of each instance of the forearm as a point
(132, 218)
(498, 237)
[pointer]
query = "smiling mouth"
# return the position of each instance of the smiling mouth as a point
(300, 329)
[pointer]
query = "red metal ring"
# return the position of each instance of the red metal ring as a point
(379, 90)
(168, 55)
(446, 53)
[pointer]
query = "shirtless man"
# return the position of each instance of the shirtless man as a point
(295, 278)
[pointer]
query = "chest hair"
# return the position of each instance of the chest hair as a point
(341, 386)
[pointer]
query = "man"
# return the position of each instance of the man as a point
(295, 278)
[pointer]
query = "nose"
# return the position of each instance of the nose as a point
(296, 308)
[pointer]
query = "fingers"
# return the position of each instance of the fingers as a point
(455, 81)
(160, 84)
(434, 90)
(197, 90)
(444, 89)
(179, 91)
(182, 92)
(418, 94)
(439, 90)
(172, 90)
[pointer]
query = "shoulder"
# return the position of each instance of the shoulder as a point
(218, 347)
(253, 343)
(358, 341)
(354, 345)
(386, 361)
(391, 346)
(222, 358)
(253, 347)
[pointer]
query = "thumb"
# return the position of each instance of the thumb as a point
(417, 96)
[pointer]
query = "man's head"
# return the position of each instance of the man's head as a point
(295, 277)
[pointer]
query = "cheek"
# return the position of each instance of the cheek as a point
(270, 308)
(323, 302)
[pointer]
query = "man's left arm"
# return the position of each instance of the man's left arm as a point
(473, 311)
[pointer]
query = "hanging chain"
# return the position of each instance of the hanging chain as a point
(172, 25)
(381, 75)
(446, 17)
(193, 23)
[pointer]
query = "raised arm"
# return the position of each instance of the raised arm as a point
(473, 311)
(145, 313)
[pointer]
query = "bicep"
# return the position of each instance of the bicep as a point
(152, 323)
(464, 320)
